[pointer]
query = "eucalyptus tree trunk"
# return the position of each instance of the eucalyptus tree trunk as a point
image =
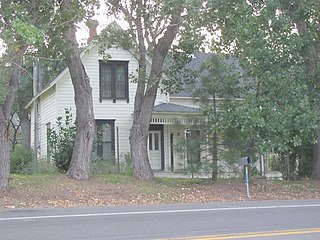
(85, 124)
(5, 112)
(144, 99)
(139, 137)
(4, 154)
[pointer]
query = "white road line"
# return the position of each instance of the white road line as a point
(156, 212)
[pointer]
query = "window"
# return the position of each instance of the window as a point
(154, 141)
(114, 80)
(105, 140)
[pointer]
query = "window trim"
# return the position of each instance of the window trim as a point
(113, 81)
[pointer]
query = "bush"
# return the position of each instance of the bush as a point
(105, 166)
(101, 166)
(61, 141)
(44, 167)
(21, 160)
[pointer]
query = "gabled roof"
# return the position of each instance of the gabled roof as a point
(66, 70)
(174, 108)
(195, 64)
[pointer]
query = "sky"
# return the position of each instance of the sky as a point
(83, 31)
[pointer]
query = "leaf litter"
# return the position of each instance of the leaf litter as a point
(53, 191)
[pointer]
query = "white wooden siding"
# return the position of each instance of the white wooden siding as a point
(46, 113)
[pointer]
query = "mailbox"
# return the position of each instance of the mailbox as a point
(244, 161)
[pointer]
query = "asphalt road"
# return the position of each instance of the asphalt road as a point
(239, 220)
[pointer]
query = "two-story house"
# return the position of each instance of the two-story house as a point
(113, 94)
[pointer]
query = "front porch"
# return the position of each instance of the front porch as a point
(167, 136)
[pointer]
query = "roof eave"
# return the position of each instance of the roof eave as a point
(180, 113)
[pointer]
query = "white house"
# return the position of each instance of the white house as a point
(113, 99)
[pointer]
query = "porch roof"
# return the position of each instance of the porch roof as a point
(174, 108)
(170, 113)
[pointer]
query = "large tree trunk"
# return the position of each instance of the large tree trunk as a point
(138, 143)
(4, 155)
(5, 113)
(85, 124)
(139, 137)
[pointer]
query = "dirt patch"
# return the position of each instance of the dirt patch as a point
(111, 190)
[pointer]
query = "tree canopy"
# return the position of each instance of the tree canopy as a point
(276, 44)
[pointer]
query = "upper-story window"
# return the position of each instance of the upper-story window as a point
(114, 80)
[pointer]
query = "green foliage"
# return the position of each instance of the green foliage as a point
(21, 160)
(304, 155)
(177, 74)
(100, 166)
(114, 35)
(235, 144)
(103, 166)
(126, 167)
(298, 160)
(61, 141)
(44, 167)
(4, 80)
(275, 44)
(30, 34)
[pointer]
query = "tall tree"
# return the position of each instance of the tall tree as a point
(153, 26)
(19, 33)
(304, 14)
(276, 44)
(219, 87)
(72, 12)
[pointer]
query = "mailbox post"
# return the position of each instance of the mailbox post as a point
(246, 167)
(246, 162)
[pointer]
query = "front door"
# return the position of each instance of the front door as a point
(155, 150)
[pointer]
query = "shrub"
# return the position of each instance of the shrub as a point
(21, 160)
(61, 141)
(101, 166)
(44, 167)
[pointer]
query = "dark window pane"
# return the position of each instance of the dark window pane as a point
(156, 141)
(120, 81)
(106, 78)
(150, 141)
